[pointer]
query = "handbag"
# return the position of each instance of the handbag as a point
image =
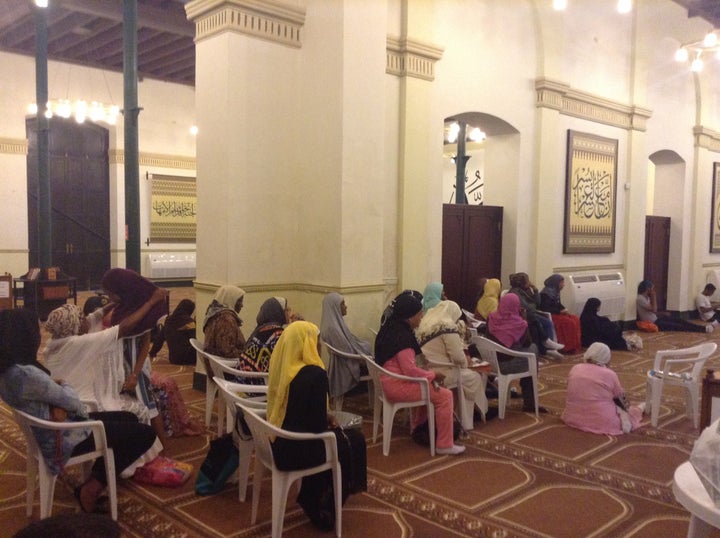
(163, 471)
(647, 326)
(220, 463)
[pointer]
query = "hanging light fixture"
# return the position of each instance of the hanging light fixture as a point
(709, 44)
(80, 110)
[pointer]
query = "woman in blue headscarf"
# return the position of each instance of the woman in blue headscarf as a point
(434, 293)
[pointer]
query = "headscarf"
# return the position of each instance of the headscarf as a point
(644, 286)
(335, 331)
(552, 286)
(389, 308)
(282, 301)
(226, 297)
(506, 324)
(395, 333)
(64, 321)
(181, 316)
(490, 299)
(598, 353)
(134, 291)
(271, 312)
(296, 348)
(591, 308)
(19, 338)
(517, 280)
(432, 295)
(440, 319)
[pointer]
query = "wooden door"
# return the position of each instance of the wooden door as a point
(471, 249)
(80, 199)
(657, 255)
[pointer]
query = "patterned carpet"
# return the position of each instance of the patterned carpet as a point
(521, 476)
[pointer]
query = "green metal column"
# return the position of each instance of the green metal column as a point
(131, 112)
(41, 98)
(460, 161)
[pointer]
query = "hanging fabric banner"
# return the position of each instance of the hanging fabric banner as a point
(173, 208)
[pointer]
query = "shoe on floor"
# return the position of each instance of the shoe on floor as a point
(709, 328)
(552, 344)
(553, 354)
(452, 451)
(531, 409)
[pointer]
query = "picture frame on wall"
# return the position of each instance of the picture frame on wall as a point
(715, 210)
(590, 194)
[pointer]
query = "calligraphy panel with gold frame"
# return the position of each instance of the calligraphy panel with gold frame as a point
(173, 208)
(590, 194)
(715, 210)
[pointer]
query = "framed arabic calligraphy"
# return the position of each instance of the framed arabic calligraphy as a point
(173, 208)
(715, 214)
(590, 194)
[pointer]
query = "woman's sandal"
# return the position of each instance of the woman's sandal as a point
(101, 504)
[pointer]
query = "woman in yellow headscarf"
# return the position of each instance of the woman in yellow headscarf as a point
(297, 401)
(488, 303)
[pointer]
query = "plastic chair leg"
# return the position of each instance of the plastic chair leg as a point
(257, 484)
(655, 404)
(338, 402)
(280, 485)
(376, 418)
(388, 418)
(31, 484)
(210, 393)
(245, 449)
(503, 388)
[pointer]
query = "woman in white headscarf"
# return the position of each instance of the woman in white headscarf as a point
(223, 336)
(595, 400)
(344, 373)
(441, 340)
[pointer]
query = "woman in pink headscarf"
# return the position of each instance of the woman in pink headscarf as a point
(508, 327)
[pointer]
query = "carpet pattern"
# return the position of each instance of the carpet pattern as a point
(522, 476)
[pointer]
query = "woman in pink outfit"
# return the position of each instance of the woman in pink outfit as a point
(395, 350)
(595, 400)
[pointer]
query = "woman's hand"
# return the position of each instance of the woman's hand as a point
(130, 383)
(58, 414)
(439, 377)
(332, 422)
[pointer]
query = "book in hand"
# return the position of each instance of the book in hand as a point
(33, 273)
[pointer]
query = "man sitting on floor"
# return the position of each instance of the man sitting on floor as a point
(705, 309)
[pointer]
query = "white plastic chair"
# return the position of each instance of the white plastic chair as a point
(38, 470)
(262, 431)
(488, 351)
(472, 321)
(389, 408)
(679, 367)
(338, 400)
(231, 394)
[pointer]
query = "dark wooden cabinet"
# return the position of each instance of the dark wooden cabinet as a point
(471, 249)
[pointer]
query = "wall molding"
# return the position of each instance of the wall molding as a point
(411, 58)
(295, 286)
(271, 20)
(566, 100)
(706, 138)
(588, 269)
(14, 146)
(159, 160)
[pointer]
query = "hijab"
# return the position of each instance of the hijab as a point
(552, 286)
(19, 338)
(134, 291)
(395, 333)
(432, 295)
(335, 331)
(64, 321)
(490, 299)
(296, 348)
(440, 319)
(271, 313)
(225, 299)
(598, 353)
(506, 324)
(182, 315)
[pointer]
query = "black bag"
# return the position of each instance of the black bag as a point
(421, 434)
(220, 463)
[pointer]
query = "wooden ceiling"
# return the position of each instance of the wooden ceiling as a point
(89, 32)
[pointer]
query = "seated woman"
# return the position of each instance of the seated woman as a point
(541, 327)
(597, 328)
(509, 328)
(567, 326)
(297, 402)
(489, 301)
(595, 401)
(647, 311)
(433, 294)
(344, 373)
(128, 290)
(441, 340)
(177, 330)
(26, 386)
(93, 361)
(223, 335)
(395, 350)
(271, 320)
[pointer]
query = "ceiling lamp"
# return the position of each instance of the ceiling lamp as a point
(709, 44)
(624, 6)
(80, 110)
(560, 5)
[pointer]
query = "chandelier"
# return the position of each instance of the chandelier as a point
(699, 49)
(81, 110)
